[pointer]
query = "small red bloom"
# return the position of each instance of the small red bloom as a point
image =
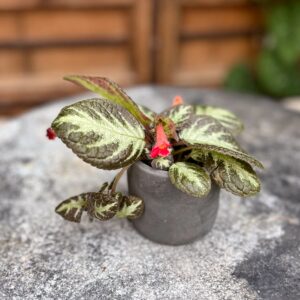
(177, 100)
(162, 145)
(51, 135)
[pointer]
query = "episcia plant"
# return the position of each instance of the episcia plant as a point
(195, 144)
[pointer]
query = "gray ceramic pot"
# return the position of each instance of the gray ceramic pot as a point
(171, 217)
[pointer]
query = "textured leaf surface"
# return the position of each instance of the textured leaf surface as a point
(237, 177)
(208, 134)
(205, 158)
(72, 208)
(110, 91)
(132, 208)
(101, 133)
(229, 173)
(103, 187)
(179, 113)
(102, 206)
(162, 163)
(225, 117)
(147, 112)
(190, 179)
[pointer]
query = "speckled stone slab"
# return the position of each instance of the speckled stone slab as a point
(253, 252)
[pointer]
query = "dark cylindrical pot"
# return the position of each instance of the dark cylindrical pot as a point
(171, 217)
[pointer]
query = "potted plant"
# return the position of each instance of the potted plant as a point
(177, 161)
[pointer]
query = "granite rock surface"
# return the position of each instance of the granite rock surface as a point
(253, 252)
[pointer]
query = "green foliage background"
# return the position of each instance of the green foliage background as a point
(277, 70)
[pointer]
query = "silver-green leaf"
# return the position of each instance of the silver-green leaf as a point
(162, 163)
(147, 112)
(179, 113)
(132, 207)
(237, 177)
(112, 92)
(234, 175)
(224, 116)
(102, 206)
(104, 187)
(190, 179)
(208, 134)
(101, 133)
(72, 208)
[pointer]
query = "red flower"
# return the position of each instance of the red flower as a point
(177, 100)
(162, 145)
(51, 135)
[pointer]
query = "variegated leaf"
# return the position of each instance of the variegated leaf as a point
(225, 117)
(112, 92)
(208, 134)
(235, 176)
(102, 206)
(162, 163)
(205, 158)
(72, 208)
(132, 207)
(147, 112)
(190, 179)
(100, 132)
(104, 186)
(179, 113)
(117, 196)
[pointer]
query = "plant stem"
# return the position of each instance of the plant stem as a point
(117, 178)
(179, 143)
(183, 150)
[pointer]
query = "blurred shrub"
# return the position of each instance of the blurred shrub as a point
(277, 70)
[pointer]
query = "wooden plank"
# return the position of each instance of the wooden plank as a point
(205, 62)
(11, 62)
(195, 54)
(141, 22)
(17, 4)
(74, 4)
(207, 20)
(167, 39)
(223, 3)
(79, 59)
(199, 40)
(89, 3)
(9, 27)
(37, 88)
(61, 25)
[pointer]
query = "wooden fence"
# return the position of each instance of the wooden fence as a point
(182, 42)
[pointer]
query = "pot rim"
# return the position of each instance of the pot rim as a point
(144, 167)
